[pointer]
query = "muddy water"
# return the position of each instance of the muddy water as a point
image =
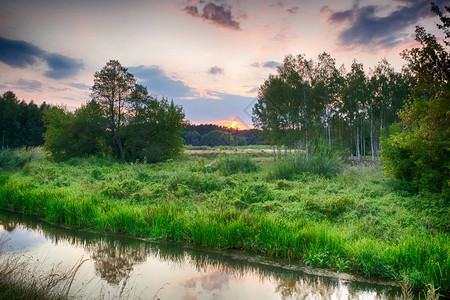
(140, 269)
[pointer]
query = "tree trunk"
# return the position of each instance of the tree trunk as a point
(363, 144)
(306, 124)
(274, 153)
(329, 135)
(119, 145)
(358, 153)
(371, 134)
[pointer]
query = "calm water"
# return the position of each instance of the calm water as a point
(173, 272)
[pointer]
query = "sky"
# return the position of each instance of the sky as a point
(210, 56)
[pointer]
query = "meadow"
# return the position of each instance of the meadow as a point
(320, 212)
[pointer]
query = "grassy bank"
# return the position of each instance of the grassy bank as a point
(357, 221)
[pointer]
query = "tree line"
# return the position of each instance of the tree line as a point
(216, 135)
(402, 116)
(309, 99)
(20, 123)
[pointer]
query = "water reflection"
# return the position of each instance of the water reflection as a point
(191, 273)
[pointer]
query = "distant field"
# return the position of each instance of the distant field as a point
(190, 147)
(228, 151)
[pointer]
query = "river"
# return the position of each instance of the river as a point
(147, 270)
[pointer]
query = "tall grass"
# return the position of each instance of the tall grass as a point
(321, 161)
(424, 260)
(23, 278)
(236, 164)
(352, 222)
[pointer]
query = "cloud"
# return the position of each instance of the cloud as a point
(271, 64)
(253, 90)
(61, 66)
(226, 107)
(218, 15)
(280, 4)
(268, 64)
(293, 10)
(158, 83)
(20, 54)
(54, 89)
(365, 28)
(80, 86)
(26, 85)
(216, 71)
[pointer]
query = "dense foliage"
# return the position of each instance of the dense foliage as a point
(418, 151)
(20, 123)
(121, 120)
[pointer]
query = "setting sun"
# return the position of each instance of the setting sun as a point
(233, 125)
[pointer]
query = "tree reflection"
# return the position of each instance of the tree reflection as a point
(115, 261)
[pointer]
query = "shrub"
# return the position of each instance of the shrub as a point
(418, 151)
(4, 178)
(256, 193)
(17, 158)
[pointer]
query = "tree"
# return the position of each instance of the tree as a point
(9, 123)
(309, 100)
(154, 127)
(420, 151)
(119, 115)
(112, 87)
(218, 138)
(430, 64)
(58, 137)
(354, 102)
(89, 133)
(20, 123)
(325, 85)
(192, 138)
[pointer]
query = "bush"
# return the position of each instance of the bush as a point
(4, 178)
(16, 159)
(418, 151)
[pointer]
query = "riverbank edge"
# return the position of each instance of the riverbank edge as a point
(234, 254)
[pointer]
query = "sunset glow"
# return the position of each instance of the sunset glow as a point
(235, 124)
(208, 56)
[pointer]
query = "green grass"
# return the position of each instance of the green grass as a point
(354, 221)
